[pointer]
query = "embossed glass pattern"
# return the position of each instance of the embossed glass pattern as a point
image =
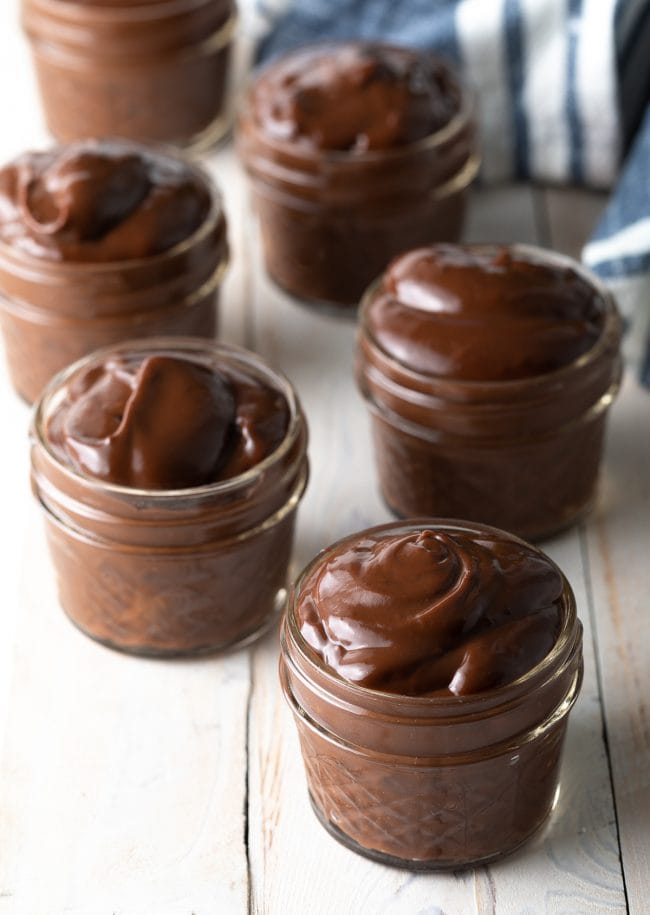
(331, 221)
(55, 312)
(165, 572)
(522, 455)
(150, 70)
(431, 782)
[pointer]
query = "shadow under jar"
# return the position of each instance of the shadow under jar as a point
(431, 667)
(169, 473)
(489, 372)
(153, 70)
(355, 152)
(100, 242)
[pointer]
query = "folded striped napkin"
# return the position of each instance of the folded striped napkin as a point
(563, 90)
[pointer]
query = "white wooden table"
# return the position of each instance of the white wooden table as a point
(141, 787)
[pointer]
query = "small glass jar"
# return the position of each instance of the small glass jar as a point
(172, 572)
(431, 782)
(522, 455)
(150, 70)
(54, 312)
(332, 220)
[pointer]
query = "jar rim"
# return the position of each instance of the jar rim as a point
(135, 12)
(215, 215)
(458, 120)
(406, 761)
(449, 703)
(611, 321)
(187, 345)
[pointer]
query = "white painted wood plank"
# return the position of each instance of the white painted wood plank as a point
(617, 545)
(122, 780)
(573, 865)
(295, 866)
(22, 126)
(571, 215)
(23, 123)
(503, 214)
(619, 549)
(14, 494)
(234, 304)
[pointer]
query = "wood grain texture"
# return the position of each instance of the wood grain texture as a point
(122, 780)
(618, 542)
(616, 545)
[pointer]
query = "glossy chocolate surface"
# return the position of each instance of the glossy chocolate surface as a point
(354, 97)
(431, 666)
(432, 612)
(489, 371)
(169, 473)
(99, 201)
(104, 241)
(484, 313)
(166, 423)
(356, 152)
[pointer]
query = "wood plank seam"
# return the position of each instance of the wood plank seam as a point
(247, 792)
(584, 552)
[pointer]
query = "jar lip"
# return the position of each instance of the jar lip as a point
(542, 668)
(136, 12)
(458, 120)
(184, 345)
(214, 216)
(611, 320)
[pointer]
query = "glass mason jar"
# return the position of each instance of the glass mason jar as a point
(172, 572)
(54, 312)
(522, 455)
(431, 782)
(331, 221)
(150, 70)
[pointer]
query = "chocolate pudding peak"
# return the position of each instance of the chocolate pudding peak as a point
(166, 423)
(99, 201)
(484, 313)
(355, 97)
(432, 612)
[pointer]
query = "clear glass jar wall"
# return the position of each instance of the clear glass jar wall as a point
(429, 782)
(168, 572)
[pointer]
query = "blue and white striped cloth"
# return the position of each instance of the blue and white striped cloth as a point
(563, 86)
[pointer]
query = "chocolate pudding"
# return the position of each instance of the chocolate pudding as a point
(170, 472)
(356, 151)
(153, 70)
(489, 372)
(432, 613)
(103, 241)
(165, 423)
(355, 97)
(431, 667)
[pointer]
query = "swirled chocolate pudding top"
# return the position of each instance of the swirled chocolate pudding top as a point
(100, 201)
(354, 97)
(163, 422)
(433, 612)
(484, 313)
